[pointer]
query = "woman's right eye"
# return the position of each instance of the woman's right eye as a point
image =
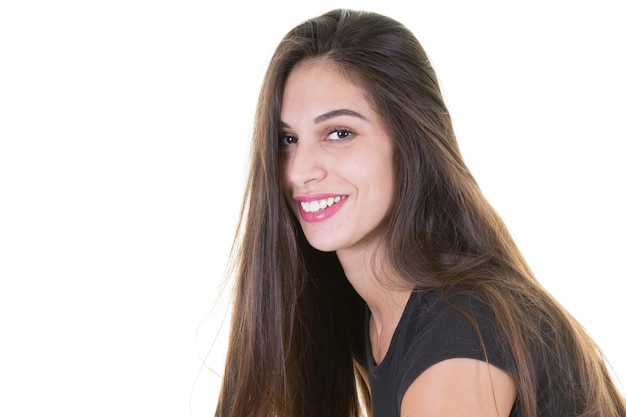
(287, 140)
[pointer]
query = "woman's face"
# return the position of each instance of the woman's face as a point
(336, 159)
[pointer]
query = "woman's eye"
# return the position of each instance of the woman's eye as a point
(287, 140)
(340, 134)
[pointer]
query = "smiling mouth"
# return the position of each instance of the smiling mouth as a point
(319, 205)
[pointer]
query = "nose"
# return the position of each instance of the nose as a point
(305, 164)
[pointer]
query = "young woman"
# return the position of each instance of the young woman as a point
(373, 277)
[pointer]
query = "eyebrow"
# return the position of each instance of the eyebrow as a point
(332, 114)
(336, 113)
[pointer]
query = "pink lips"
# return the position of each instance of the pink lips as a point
(320, 215)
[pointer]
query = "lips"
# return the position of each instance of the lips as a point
(316, 208)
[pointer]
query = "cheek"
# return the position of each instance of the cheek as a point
(383, 184)
(283, 168)
(285, 184)
(375, 168)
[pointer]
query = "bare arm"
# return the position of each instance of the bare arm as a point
(459, 388)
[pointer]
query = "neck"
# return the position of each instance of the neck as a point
(384, 291)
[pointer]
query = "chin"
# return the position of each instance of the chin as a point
(322, 245)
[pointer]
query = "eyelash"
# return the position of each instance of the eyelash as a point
(340, 131)
(287, 140)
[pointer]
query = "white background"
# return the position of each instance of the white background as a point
(124, 128)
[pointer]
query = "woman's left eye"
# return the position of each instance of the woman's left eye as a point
(340, 134)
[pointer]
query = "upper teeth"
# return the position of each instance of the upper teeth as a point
(313, 206)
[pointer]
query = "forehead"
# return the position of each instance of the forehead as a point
(320, 85)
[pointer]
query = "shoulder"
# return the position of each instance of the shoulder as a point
(455, 364)
(459, 325)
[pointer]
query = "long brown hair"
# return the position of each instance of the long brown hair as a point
(297, 325)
